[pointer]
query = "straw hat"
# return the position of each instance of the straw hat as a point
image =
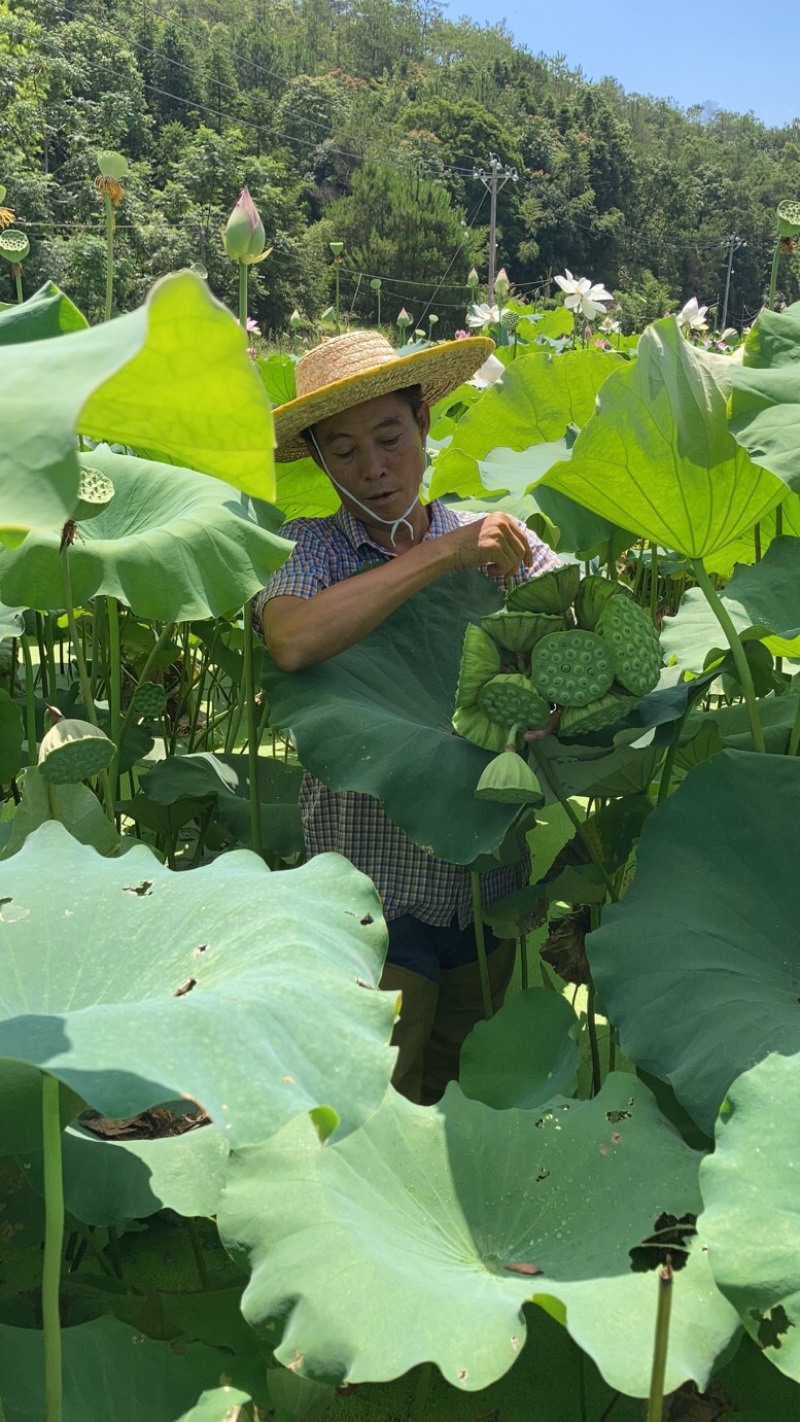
(347, 370)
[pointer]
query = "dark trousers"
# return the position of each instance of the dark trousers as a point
(435, 969)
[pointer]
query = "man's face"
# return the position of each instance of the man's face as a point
(376, 451)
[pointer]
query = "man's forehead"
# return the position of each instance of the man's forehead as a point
(365, 418)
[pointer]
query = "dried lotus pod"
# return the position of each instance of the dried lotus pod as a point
(510, 697)
(480, 661)
(509, 778)
(549, 592)
(95, 491)
(474, 725)
(519, 631)
(72, 750)
(572, 668)
(592, 595)
(149, 700)
(595, 715)
(633, 643)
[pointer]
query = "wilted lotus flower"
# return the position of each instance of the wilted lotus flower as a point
(244, 236)
(583, 295)
(693, 317)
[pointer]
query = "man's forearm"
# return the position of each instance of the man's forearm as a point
(301, 631)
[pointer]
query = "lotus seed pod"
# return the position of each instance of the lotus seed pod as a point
(149, 700)
(73, 750)
(509, 698)
(14, 245)
(595, 716)
(474, 725)
(551, 592)
(480, 661)
(592, 596)
(519, 631)
(789, 218)
(509, 778)
(509, 320)
(633, 643)
(95, 490)
(572, 668)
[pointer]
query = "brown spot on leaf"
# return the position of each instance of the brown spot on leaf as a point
(185, 987)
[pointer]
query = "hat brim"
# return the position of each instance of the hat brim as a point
(437, 369)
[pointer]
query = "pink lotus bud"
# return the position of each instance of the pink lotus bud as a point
(244, 235)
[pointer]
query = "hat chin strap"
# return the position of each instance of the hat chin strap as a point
(391, 523)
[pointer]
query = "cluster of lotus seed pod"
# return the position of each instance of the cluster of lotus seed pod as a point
(582, 647)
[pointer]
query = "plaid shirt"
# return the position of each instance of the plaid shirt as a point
(328, 550)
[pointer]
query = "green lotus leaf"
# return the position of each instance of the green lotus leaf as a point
(173, 376)
(539, 396)
(729, 725)
(460, 1214)
(225, 779)
(218, 1404)
(594, 770)
(728, 904)
(302, 490)
(763, 602)
(378, 718)
(480, 661)
(106, 1181)
(47, 313)
(743, 549)
(171, 544)
(523, 1056)
(77, 808)
(126, 981)
(658, 453)
(765, 394)
(750, 1224)
(110, 1371)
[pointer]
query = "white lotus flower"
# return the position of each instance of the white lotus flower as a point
(481, 316)
(693, 317)
(609, 324)
(491, 371)
(584, 296)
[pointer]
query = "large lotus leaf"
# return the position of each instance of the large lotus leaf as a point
(226, 780)
(106, 1181)
(47, 313)
(761, 600)
(538, 397)
(112, 1374)
(750, 1225)
(744, 549)
(218, 1404)
(450, 1212)
(229, 986)
(765, 395)
(377, 718)
(304, 491)
(172, 544)
(658, 454)
(730, 726)
(277, 373)
(595, 770)
(699, 965)
(173, 375)
(757, 1390)
(524, 1055)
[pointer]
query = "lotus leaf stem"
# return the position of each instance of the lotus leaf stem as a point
(114, 683)
(252, 732)
(580, 829)
(773, 276)
(655, 1405)
(653, 580)
(522, 945)
(30, 701)
(197, 1251)
(735, 643)
(480, 943)
(53, 1244)
(109, 255)
(421, 1392)
(669, 759)
(77, 646)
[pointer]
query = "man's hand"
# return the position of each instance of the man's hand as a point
(498, 540)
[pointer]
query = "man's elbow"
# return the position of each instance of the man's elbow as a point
(287, 652)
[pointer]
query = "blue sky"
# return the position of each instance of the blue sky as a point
(736, 55)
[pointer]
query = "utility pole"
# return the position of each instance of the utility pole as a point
(494, 181)
(734, 242)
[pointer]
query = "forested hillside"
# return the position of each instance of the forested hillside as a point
(364, 123)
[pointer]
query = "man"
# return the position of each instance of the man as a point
(363, 414)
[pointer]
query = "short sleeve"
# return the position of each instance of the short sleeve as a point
(305, 572)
